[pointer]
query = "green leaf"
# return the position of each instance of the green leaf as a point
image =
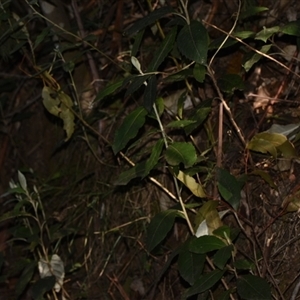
(199, 117)
(142, 169)
(159, 227)
(138, 170)
(42, 286)
(229, 188)
(266, 33)
(244, 34)
(267, 142)
(129, 129)
(199, 72)
(256, 57)
(163, 50)
(180, 123)
(149, 19)
(231, 82)
(181, 152)
(250, 11)
(137, 82)
(244, 264)
(205, 244)
(292, 28)
(25, 278)
(150, 93)
(193, 41)
(154, 157)
(204, 283)
(108, 90)
(190, 265)
(137, 42)
(222, 256)
(250, 287)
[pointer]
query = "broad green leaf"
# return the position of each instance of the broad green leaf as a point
(195, 187)
(250, 287)
(205, 244)
(137, 42)
(199, 72)
(25, 278)
(150, 93)
(266, 33)
(244, 264)
(180, 123)
(222, 256)
(159, 227)
(42, 286)
(229, 188)
(256, 57)
(250, 11)
(181, 152)
(231, 82)
(163, 50)
(136, 83)
(287, 149)
(193, 41)
(224, 231)
(108, 90)
(292, 28)
(141, 169)
(154, 157)
(129, 129)
(267, 142)
(190, 265)
(199, 117)
(244, 34)
(204, 283)
(149, 19)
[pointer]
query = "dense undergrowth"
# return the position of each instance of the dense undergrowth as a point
(149, 151)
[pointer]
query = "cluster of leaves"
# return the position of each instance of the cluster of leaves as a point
(208, 260)
(209, 255)
(35, 234)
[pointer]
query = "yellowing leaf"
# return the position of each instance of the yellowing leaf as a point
(191, 184)
(58, 104)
